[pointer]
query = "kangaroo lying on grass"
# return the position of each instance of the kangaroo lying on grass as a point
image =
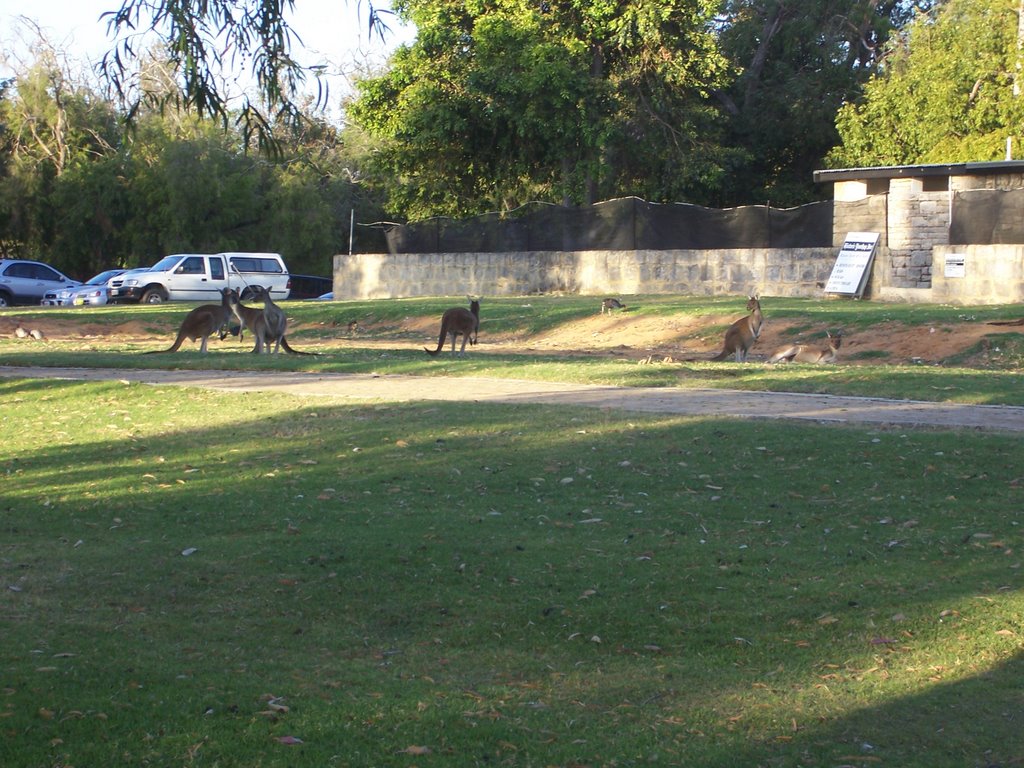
(804, 353)
(743, 334)
(268, 324)
(204, 321)
(458, 320)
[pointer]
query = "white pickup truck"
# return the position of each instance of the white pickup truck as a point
(201, 276)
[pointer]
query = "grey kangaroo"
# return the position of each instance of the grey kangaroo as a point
(251, 318)
(805, 353)
(743, 334)
(456, 321)
(204, 321)
(268, 324)
(277, 326)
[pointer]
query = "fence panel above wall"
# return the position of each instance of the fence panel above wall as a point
(987, 217)
(625, 224)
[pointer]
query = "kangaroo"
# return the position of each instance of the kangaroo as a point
(455, 321)
(255, 319)
(610, 304)
(204, 321)
(251, 318)
(804, 353)
(277, 326)
(743, 334)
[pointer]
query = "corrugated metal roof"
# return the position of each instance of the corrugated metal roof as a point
(912, 171)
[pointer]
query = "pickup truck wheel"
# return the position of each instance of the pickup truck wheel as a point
(153, 296)
(5, 300)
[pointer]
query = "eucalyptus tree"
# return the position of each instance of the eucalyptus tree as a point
(947, 90)
(495, 104)
(202, 40)
(799, 62)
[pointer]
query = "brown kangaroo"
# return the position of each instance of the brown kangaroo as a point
(611, 304)
(743, 334)
(204, 321)
(455, 321)
(804, 353)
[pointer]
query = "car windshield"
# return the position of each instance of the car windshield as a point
(102, 277)
(165, 263)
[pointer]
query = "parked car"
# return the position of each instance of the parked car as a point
(309, 286)
(329, 296)
(91, 293)
(28, 282)
(200, 277)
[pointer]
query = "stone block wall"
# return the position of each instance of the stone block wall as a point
(770, 271)
(992, 274)
(918, 221)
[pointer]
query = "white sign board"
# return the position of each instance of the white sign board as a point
(851, 270)
(956, 265)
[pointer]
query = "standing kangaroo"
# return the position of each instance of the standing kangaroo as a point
(743, 334)
(204, 321)
(276, 324)
(251, 318)
(804, 353)
(267, 326)
(455, 321)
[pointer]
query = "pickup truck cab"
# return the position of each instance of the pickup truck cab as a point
(201, 276)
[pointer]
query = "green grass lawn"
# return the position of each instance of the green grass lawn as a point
(200, 578)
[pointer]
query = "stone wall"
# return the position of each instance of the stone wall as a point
(918, 221)
(772, 272)
(992, 274)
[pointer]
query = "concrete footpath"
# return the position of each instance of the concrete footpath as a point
(693, 402)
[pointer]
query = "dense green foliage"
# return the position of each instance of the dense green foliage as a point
(499, 103)
(948, 91)
(81, 191)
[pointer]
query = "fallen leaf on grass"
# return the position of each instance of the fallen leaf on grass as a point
(414, 750)
(289, 740)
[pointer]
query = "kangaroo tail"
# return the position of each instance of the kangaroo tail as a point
(1005, 322)
(440, 340)
(287, 348)
(172, 348)
(720, 356)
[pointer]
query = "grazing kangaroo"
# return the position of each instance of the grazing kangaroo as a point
(610, 304)
(743, 334)
(804, 353)
(458, 320)
(204, 321)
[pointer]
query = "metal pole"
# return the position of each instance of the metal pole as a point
(351, 229)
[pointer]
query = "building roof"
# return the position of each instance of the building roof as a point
(991, 168)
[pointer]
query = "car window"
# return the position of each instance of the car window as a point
(20, 270)
(216, 267)
(43, 272)
(193, 265)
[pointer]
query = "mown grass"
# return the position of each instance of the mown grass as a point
(197, 578)
(323, 326)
